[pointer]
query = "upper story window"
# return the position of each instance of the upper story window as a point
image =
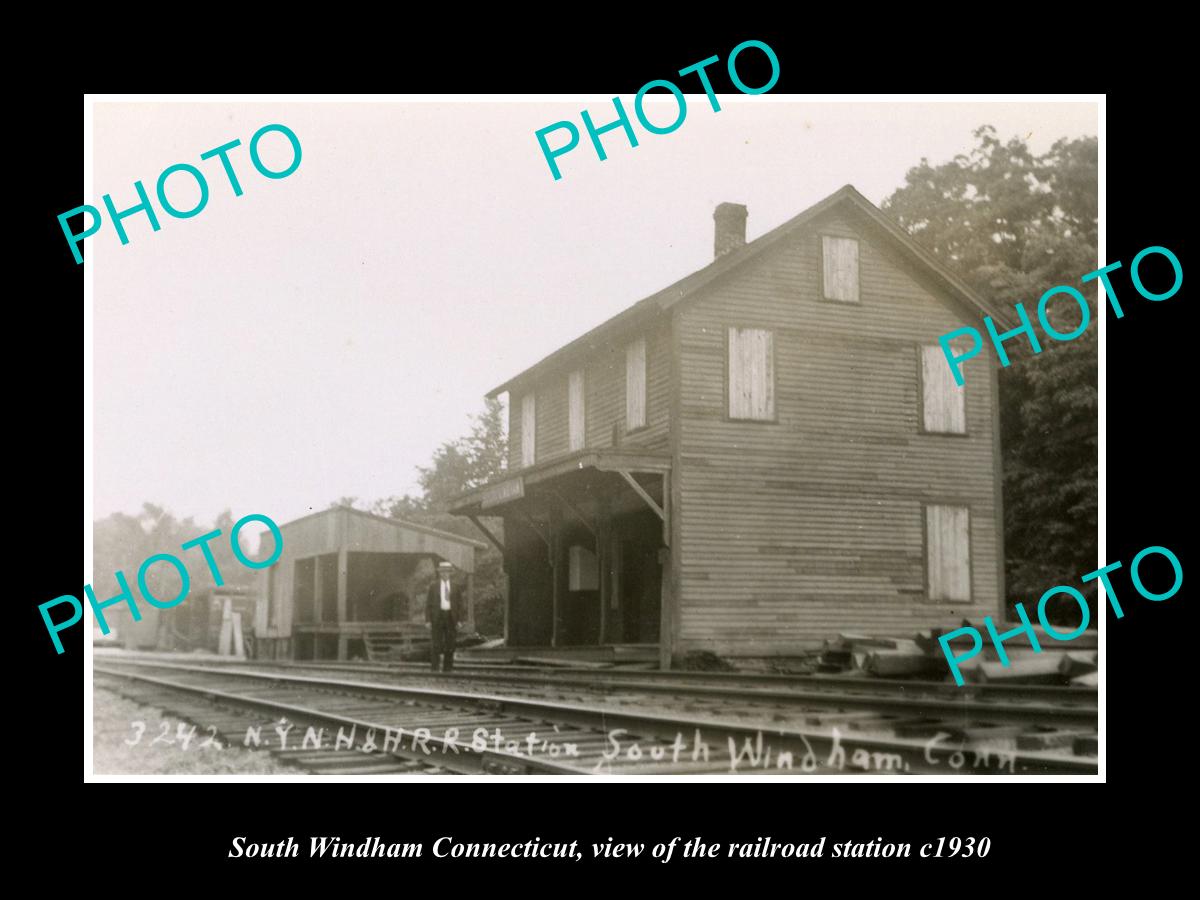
(751, 365)
(839, 269)
(528, 430)
(943, 403)
(576, 423)
(635, 385)
(948, 552)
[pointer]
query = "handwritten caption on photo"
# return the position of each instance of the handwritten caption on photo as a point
(184, 734)
(753, 754)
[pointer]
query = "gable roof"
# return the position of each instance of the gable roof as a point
(656, 304)
(401, 524)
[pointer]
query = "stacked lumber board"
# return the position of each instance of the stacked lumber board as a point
(920, 656)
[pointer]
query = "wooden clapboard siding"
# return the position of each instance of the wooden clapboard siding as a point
(604, 394)
(529, 422)
(789, 531)
(604, 401)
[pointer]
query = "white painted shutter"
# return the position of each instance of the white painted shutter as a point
(528, 430)
(575, 410)
(942, 401)
(948, 543)
(840, 257)
(751, 374)
(635, 384)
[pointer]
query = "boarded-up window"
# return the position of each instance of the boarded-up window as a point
(948, 552)
(635, 385)
(943, 403)
(840, 268)
(751, 374)
(528, 430)
(575, 410)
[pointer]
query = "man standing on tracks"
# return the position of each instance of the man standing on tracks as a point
(440, 608)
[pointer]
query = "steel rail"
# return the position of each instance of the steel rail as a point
(464, 761)
(737, 684)
(805, 743)
(1081, 711)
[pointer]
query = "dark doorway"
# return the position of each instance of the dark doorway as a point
(373, 583)
(395, 607)
(327, 586)
(530, 586)
(305, 646)
(304, 590)
(638, 582)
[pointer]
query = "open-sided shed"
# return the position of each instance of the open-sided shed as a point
(348, 580)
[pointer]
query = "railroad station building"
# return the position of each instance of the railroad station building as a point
(348, 585)
(767, 452)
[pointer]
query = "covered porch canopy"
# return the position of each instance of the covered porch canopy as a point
(584, 542)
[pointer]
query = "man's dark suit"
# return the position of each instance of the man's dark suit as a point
(443, 625)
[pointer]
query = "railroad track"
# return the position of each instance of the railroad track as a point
(1047, 705)
(484, 723)
(542, 675)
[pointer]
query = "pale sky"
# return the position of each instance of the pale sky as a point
(322, 334)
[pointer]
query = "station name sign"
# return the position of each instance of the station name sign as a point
(502, 492)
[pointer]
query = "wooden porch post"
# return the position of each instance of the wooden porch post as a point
(556, 570)
(342, 563)
(508, 598)
(317, 612)
(603, 552)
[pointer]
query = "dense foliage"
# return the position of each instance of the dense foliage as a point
(458, 466)
(1014, 225)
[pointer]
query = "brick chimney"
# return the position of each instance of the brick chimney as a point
(731, 228)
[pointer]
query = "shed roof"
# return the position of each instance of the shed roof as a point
(649, 307)
(396, 523)
(344, 528)
(477, 500)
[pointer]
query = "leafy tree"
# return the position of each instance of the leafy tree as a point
(405, 507)
(121, 543)
(459, 466)
(468, 462)
(1014, 225)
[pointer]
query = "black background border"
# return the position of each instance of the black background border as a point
(169, 826)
